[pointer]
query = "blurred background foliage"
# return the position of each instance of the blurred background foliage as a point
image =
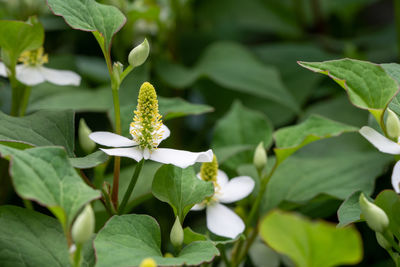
(236, 60)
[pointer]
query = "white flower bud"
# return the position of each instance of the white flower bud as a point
(176, 235)
(139, 54)
(87, 144)
(118, 69)
(393, 125)
(375, 217)
(83, 227)
(260, 157)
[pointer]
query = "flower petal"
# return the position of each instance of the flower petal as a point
(180, 158)
(198, 207)
(396, 177)
(29, 75)
(236, 189)
(223, 222)
(128, 152)
(222, 178)
(111, 139)
(3, 70)
(61, 77)
(382, 143)
(165, 133)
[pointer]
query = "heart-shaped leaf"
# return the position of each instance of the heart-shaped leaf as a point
(44, 174)
(128, 239)
(389, 201)
(290, 139)
(311, 244)
(368, 85)
(18, 36)
(233, 67)
(43, 128)
(30, 237)
(88, 15)
(180, 188)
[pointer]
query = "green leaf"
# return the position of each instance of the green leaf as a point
(311, 244)
(367, 85)
(128, 239)
(349, 211)
(290, 139)
(43, 128)
(29, 238)
(303, 177)
(176, 107)
(18, 36)
(191, 236)
(88, 15)
(389, 201)
(233, 67)
(89, 161)
(45, 175)
(180, 188)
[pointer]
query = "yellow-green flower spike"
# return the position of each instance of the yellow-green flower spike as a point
(148, 262)
(146, 125)
(209, 170)
(34, 57)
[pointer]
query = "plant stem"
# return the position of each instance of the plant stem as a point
(131, 186)
(25, 100)
(236, 253)
(78, 255)
(397, 19)
(15, 97)
(28, 204)
(224, 257)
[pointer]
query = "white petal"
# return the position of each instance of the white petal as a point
(111, 139)
(29, 75)
(129, 152)
(382, 143)
(396, 177)
(61, 77)
(3, 70)
(165, 133)
(198, 207)
(180, 158)
(223, 221)
(222, 178)
(236, 189)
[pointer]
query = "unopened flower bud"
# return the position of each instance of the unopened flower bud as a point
(87, 144)
(393, 125)
(375, 217)
(176, 234)
(260, 157)
(139, 54)
(118, 69)
(148, 262)
(83, 227)
(382, 241)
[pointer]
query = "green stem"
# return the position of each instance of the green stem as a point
(131, 186)
(15, 97)
(125, 73)
(25, 100)
(236, 253)
(114, 88)
(397, 19)
(78, 255)
(28, 204)
(224, 257)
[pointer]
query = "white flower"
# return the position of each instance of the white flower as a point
(32, 72)
(148, 131)
(384, 145)
(221, 220)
